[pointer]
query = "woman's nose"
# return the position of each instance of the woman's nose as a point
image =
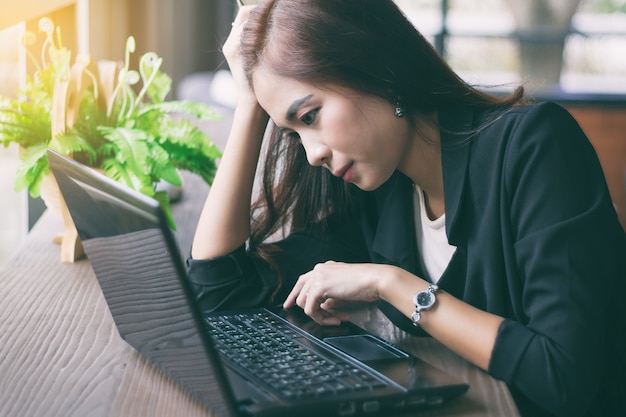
(316, 152)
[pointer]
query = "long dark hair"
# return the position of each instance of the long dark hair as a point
(368, 46)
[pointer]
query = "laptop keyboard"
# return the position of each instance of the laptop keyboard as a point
(269, 351)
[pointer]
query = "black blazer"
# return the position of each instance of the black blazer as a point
(538, 243)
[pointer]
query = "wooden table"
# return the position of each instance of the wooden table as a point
(61, 355)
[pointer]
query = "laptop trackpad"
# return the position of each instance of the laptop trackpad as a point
(365, 347)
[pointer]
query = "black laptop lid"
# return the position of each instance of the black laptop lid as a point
(141, 272)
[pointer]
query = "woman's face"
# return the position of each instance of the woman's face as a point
(356, 137)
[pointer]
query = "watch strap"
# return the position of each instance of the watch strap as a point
(417, 314)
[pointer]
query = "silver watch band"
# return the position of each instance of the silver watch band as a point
(424, 300)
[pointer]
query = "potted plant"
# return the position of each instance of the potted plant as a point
(107, 116)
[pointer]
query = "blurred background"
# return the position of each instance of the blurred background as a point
(570, 51)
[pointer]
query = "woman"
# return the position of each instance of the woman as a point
(480, 220)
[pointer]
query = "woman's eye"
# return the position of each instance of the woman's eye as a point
(309, 117)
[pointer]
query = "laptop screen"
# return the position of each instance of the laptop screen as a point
(140, 271)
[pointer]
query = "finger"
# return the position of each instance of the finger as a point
(311, 304)
(237, 28)
(306, 294)
(330, 306)
(291, 299)
(242, 14)
(330, 320)
(326, 318)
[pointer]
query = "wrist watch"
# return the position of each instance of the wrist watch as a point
(424, 300)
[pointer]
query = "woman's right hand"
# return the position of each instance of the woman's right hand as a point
(232, 53)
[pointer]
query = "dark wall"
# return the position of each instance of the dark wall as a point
(188, 34)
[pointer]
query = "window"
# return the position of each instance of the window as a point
(479, 39)
(12, 204)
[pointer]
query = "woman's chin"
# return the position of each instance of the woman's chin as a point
(369, 185)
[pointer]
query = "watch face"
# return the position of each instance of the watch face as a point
(425, 299)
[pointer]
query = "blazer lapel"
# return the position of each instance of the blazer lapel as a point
(394, 242)
(455, 130)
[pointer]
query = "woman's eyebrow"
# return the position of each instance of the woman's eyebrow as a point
(293, 109)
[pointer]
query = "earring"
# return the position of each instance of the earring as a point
(399, 110)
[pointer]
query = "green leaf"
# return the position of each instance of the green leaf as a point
(69, 144)
(164, 200)
(187, 135)
(152, 121)
(114, 169)
(159, 88)
(32, 170)
(132, 150)
(24, 122)
(191, 108)
(132, 155)
(162, 166)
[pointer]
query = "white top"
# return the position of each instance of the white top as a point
(432, 240)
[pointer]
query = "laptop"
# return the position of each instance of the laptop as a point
(253, 362)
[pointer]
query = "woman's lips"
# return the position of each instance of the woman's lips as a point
(345, 172)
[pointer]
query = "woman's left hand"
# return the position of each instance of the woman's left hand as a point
(323, 291)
